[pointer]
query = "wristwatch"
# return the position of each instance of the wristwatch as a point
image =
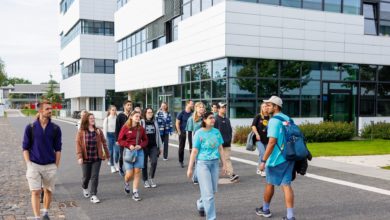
(263, 161)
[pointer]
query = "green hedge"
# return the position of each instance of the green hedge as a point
(380, 130)
(322, 132)
(328, 131)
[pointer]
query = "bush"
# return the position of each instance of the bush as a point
(328, 131)
(322, 132)
(380, 130)
(240, 134)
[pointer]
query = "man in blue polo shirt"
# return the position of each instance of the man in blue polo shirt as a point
(278, 169)
(42, 153)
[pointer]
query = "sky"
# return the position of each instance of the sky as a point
(29, 39)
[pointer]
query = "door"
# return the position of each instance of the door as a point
(338, 101)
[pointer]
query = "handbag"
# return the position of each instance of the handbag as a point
(249, 142)
(130, 156)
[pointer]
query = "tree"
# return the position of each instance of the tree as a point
(51, 94)
(3, 74)
(15, 80)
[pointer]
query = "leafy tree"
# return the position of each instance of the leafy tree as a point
(3, 74)
(51, 94)
(15, 80)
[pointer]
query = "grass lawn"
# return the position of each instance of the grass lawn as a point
(29, 112)
(350, 148)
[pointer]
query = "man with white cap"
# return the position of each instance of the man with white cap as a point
(279, 170)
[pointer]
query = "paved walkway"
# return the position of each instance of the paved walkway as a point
(362, 165)
(14, 192)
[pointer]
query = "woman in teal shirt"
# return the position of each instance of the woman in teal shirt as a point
(207, 151)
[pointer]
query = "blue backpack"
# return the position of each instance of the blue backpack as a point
(294, 148)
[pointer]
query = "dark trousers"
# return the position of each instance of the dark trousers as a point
(190, 139)
(182, 144)
(91, 173)
(121, 158)
(152, 154)
(165, 140)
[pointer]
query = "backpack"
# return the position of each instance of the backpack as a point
(31, 132)
(294, 148)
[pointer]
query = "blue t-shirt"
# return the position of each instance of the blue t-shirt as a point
(192, 125)
(275, 130)
(183, 118)
(207, 143)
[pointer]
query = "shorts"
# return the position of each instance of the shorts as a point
(280, 174)
(41, 176)
(139, 162)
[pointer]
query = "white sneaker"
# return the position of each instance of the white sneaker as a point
(113, 170)
(258, 172)
(116, 167)
(262, 174)
(86, 193)
(152, 183)
(95, 199)
(146, 184)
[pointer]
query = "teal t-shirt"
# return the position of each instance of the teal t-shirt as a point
(207, 143)
(275, 130)
(192, 125)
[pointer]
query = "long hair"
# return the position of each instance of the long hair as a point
(144, 113)
(166, 105)
(109, 110)
(207, 114)
(129, 122)
(261, 110)
(85, 122)
(196, 116)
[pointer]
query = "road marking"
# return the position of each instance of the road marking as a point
(322, 178)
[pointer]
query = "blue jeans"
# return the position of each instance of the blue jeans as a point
(113, 148)
(207, 173)
(261, 149)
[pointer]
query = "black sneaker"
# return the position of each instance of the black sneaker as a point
(285, 218)
(121, 172)
(260, 212)
(136, 196)
(181, 164)
(202, 213)
(234, 177)
(45, 217)
(127, 188)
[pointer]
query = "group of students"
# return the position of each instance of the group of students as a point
(134, 138)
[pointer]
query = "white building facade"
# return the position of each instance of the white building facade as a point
(88, 53)
(327, 59)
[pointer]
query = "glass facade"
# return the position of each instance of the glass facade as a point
(332, 91)
(92, 27)
(83, 65)
(65, 5)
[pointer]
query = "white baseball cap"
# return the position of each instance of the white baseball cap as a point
(276, 100)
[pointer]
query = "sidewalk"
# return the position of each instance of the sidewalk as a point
(361, 165)
(15, 202)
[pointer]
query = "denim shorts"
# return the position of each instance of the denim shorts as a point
(280, 174)
(139, 162)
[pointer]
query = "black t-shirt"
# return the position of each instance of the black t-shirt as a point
(150, 130)
(261, 124)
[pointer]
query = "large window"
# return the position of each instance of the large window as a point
(88, 27)
(370, 18)
(385, 18)
(132, 45)
(65, 5)
(351, 7)
(292, 3)
(89, 66)
(312, 4)
(332, 5)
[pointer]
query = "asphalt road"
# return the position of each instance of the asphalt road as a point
(175, 196)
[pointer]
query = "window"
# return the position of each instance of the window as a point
(367, 99)
(219, 68)
(195, 7)
(270, 2)
(186, 74)
(206, 89)
(291, 69)
(291, 3)
(351, 7)
(330, 71)
(104, 66)
(242, 108)
(370, 19)
(267, 88)
(312, 4)
(186, 10)
(65, 5)
(368, 72)
(269, 68)
(205, 70)
(206, 4)
(242, 88)
(332, 5)
(384, 73)
(385, 19)
(243, 67)
(219, 88)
